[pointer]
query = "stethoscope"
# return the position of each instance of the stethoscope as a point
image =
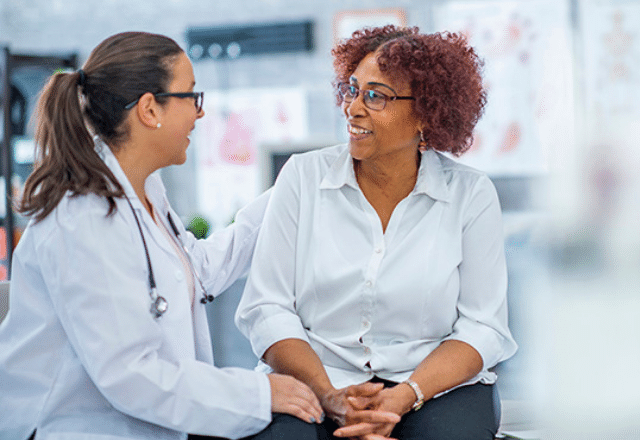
(159, 304)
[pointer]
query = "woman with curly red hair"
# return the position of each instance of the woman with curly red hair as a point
(379, 276)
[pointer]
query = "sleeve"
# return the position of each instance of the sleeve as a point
(267, 311)
(99, 288)
(226, 255)
(482, 304)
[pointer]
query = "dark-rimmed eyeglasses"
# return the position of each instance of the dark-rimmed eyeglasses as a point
(198, 98)
(373, 99)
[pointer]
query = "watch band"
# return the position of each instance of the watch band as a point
(419, 396)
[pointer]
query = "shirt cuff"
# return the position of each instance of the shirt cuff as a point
(276, 327)
(489, 343)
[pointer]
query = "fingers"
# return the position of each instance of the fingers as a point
(362, 403)
(362, 430)
(366, 389)
(374, 417)
(290, 396)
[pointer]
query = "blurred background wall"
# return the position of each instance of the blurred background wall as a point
(559, 140)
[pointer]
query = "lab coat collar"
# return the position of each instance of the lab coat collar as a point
(431, 177)
(153, 186)
(154, 190)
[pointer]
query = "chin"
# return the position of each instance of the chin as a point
(179, 160)
(358, 153)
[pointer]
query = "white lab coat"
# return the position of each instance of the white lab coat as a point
(81, 356)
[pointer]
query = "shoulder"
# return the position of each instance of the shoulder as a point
(321, 157)
(78, 213)
(463, 177)
(313, 165)
(457, 170)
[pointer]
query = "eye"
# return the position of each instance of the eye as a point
(351, 91)
(374, 96)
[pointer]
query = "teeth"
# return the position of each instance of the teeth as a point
(354, 130)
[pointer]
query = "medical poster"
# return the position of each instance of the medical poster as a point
(610, 35)
(528, 122)
(236, 123)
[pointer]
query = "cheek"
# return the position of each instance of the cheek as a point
(344, 108)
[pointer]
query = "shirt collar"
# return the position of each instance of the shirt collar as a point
(341, 172)
(432, 180)
(431, 177)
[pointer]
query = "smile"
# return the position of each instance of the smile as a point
(354, 130)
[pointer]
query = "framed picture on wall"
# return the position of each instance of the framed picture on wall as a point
(346, 22)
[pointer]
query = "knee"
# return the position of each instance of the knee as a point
(286, 427)
(462, 431)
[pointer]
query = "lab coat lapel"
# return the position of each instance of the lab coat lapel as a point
(151, 186)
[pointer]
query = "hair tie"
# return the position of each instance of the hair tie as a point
(82, 78)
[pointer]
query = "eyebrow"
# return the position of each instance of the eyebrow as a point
(353, 79)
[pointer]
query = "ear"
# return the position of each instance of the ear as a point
(148, 110)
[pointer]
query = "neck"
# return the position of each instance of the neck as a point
(396, 173)
(137, 168)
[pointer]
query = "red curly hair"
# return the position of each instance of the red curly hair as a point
(444, 72)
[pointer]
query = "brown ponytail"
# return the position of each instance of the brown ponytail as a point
(119, 70)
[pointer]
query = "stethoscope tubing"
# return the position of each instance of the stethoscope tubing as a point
(159, 305)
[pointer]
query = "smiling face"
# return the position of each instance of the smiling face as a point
(388, 134)
(178, 114)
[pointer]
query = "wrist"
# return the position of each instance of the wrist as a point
(418, 396)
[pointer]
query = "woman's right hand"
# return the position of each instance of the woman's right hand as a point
(290, 396)
(363, 421)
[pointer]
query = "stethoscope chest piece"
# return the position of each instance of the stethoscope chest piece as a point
(159, 306)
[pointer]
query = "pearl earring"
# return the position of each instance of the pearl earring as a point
(159, 125)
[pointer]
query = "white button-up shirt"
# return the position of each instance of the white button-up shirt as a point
(81, 356)
(373, 303)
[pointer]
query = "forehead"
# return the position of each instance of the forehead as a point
(368, 71)
(182, 71)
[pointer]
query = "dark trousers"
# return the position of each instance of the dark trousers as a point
(467, 413)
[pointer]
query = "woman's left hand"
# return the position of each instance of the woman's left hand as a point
(398, 400)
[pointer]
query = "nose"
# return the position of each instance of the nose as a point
(355, 107)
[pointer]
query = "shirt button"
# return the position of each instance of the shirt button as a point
(367, 350)
(179, 275)
(378, 250)
(369, 283)
(366, 324)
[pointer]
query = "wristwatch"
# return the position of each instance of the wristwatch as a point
(419, 396)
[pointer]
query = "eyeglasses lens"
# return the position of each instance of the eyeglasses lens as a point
(372, 99)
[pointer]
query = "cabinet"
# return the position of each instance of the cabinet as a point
(22, 77)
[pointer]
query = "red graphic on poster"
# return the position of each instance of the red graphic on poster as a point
(237, 144)
(511, 138)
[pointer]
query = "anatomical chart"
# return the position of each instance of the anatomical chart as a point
(228, 141)
(526, 46)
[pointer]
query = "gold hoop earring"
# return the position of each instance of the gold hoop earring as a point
(422, 145)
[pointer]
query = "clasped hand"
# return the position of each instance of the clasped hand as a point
(366, 411)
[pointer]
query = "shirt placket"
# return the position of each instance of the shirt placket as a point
(371, 273)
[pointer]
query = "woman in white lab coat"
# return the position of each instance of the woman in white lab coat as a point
(107, 337)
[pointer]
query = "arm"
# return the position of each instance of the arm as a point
(296, 358)
(226, 255)
(449, 365)
(95, 271)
